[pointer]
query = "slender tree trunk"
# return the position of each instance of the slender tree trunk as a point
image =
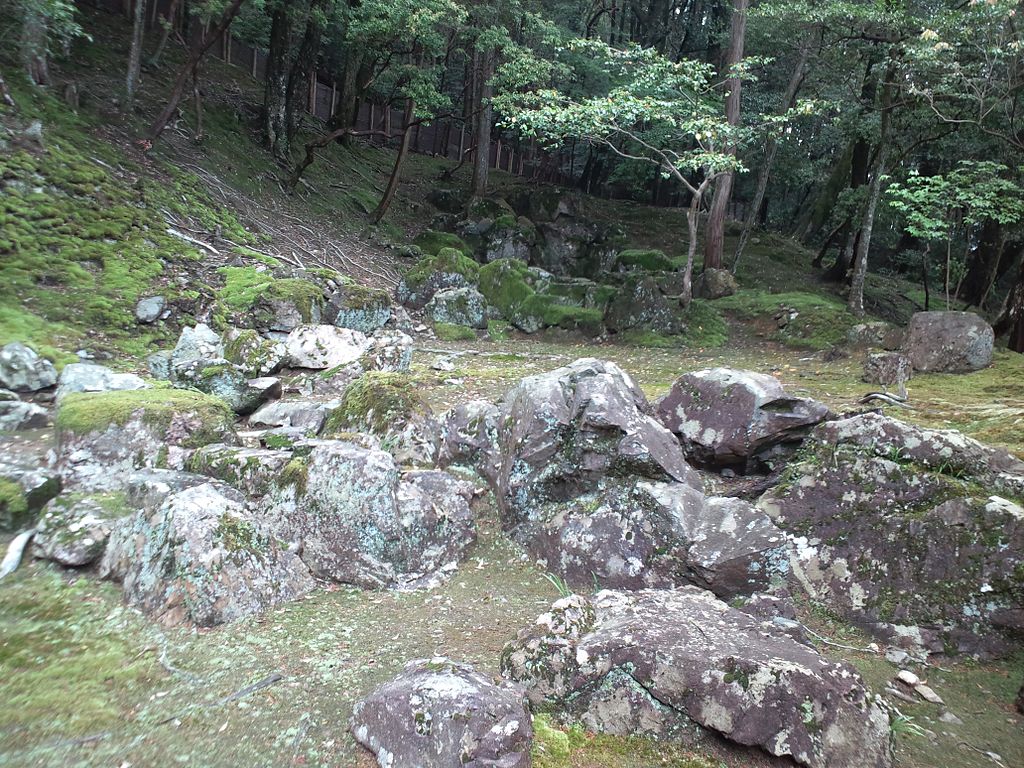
(303, 71)
(925, 267)
(860, 267)
(33, 46)
(714, 243)
(1011, 319)
(484, 118)
(135, 54)
(189, 68)
(275, 89)
(167, 23)
(772, 148)
(396, 172)
(692, 222)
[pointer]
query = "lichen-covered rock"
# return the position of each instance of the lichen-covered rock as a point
(253, 471)
(915, 534)
(890, 369)
(16, 415)
(661, 662)
(103, 436)
(22, 370)
(201, 558)
(253, 354)
(358, 307)
(876, 334)
(324, 346)
(727, 417)
(86, 377)
(357, 522)
(445, 268)
(651, 534)
(26, 485)
(443, 714)
(714, 284)
(389, 406)
(949, 342)
(306, 415)
(197, 343)
(469, 436)
(458, 306)
(569, 245)
(73, 528)
(565, 430)
(639, 303)
(228, 382)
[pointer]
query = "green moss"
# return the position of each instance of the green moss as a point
(295, 474)
(278, 442)
(450, 332)
(246, 288)
(504, 284)
(376, 401)
(446, 260)
(820, 321)
(238, 535)
(649, 259)
(14, 508)
(85, 412)
(363, 296)
(432, 242)
(498, 330)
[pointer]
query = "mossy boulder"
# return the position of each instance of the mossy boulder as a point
(647, 259)
(448, 268)
(253, 298)
(103, 436)
(253, 471)
(251, 353)
(509, 238)
(389, 406)
(640, 304)
(359, 307)
(454, 332)
(432, 242)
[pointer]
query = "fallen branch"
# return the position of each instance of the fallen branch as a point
(834, 644)
(182, 236)
(885, 398)
(266, 682)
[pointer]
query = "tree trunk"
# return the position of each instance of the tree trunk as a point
(1011, 319)
(692, 221)
(135, 54)
(483, 72)
(189, 68)
(167, 23)
(303, 70)
(772, 147)
(396, 172)
(275, 90)
(860, 267)
(715, 241)
(33, 46)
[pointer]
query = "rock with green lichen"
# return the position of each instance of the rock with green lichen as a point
(914, 534)
(648, 259)
(16, 415)
(73, 528)
(469, 437)
(321, 347)
(441, 713)
(714, 284)
(509, 238)
(303, 414)
(358, 307)
(518, 292)
(253, 354)
(358, 521)
(103, 436)
(252, 297)
(662, 662)
(26, 485)
(432, 243)
(447, 268)
(389, 406)
(458, 306)
(253, 471)
(201, 557)
(639, 303)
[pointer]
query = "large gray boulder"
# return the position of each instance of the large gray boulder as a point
(22, 370)
(324, 346)
(714, 284)
(469, 437)
(652, 534)
(26, 485)
(73, 528)
(660, 662)
(307, 415)
(149, 309)
(441, 714)
(87, 377)
(200, 557)
(949, 342)
(639, 303)
(458, 306)
(728, 417)
(357, 521)
(915, 534)
(358, 307)
(197, 343)
(889, 369)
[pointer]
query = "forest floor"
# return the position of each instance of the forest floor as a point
(87, 681)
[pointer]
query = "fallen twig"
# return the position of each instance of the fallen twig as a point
(15, 551)
(182, 236)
